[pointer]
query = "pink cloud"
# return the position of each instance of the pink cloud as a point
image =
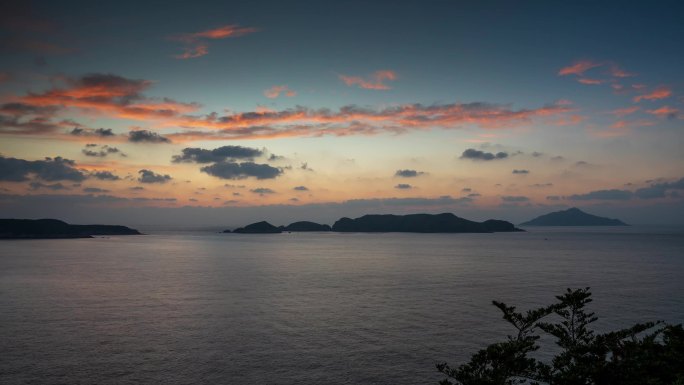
(373, 82)
(661, 92)
(196, 44)
(622, 112)
(665, 111)
(275, 91)
(578, 68)
(591, 81)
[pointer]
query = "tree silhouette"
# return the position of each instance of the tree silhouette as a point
(647, 354)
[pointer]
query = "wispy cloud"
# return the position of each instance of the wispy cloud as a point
(372, 82)
(196, 44)
(662, 92)
(578, 68)
(275, 91)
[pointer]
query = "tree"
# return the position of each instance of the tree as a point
(650, 353)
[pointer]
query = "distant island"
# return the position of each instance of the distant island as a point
(55, 229)
(572, 217)
(413, 223)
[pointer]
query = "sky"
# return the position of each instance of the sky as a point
(221, 113)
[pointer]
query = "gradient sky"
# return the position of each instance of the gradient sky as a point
(217, 113)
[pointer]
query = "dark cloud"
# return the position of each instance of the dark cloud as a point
(658, 190)
(403, 186)
(466, 189)
(102, 152)
(541, 185)
(94, 190)
(148, 176)
(140, 136)
(137, 188)
(301, 188)
(521, 172)
(275, 157)
(474, 154)
(104, 175)
(101, 132)
(537, 154)
(513, 198)
(53, 187)
(408, 173)
(613, 194)
(199, 155)
(262, 191)
(554, 198)
(232, 170)
(50, 169)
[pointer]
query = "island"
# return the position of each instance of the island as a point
(420, 223)
(56, 229)
(262, 227)
(572, 217)
(305, 226)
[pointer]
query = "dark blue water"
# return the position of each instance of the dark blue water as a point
(181, 308)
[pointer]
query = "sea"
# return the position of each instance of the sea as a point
(194, 306)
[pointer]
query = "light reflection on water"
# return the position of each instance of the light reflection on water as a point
(305, 308)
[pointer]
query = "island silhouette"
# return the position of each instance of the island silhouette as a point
(54, 228)
(388, 223)
(572, 217)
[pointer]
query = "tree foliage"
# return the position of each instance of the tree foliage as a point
(647, 354)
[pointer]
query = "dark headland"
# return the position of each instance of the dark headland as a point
(413, 223)
(53, 228)
(572, 217)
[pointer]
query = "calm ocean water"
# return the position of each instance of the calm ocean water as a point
(180, 307)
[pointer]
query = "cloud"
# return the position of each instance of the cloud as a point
(275, 91)
(101, 132)
(408, 173)
(662, 92)
(53, 187)
(541, 185)
(664, 112)
(94, 190)
(622, 112)
(107, 94)
(199, 155)
(196, 43)
(513, 199)
(523, 172)
(262, 191)
(474, 154)
(233, 170)
(373, 82)
(101, 152)
(613, 194)
(658, 190)
(403, 186)
(49, 169)
(301, 188)
(139, 136)
(617, 72)
(148, 176)
(104, 175)
(578, 68)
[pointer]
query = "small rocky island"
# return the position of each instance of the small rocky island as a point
(572, 217)
(414, 223)
(56, 229)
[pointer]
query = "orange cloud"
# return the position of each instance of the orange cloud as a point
(661, 92)
(275, 91)
(578, 68)
(353, 120)
(374, 82)
(196, 45)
